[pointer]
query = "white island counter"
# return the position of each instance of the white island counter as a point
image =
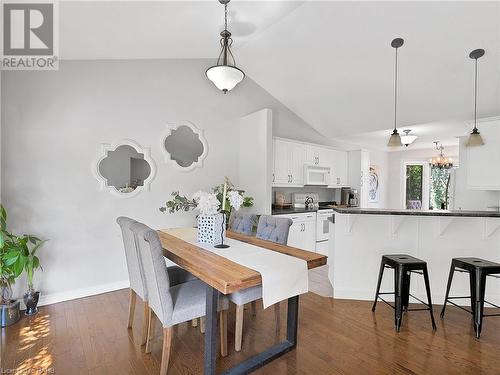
(359, 238)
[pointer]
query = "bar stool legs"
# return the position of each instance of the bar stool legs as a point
(403, 266)
(380, 274)
(429, 300)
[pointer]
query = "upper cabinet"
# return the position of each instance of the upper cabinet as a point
(340, 163)
(290, 159)
(482, 173)
(288, 163)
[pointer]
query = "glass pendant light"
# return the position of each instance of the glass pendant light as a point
(225, 75)
(475, 138)
(407, 139)
(395, 139)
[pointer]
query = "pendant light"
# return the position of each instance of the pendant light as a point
(475, 138)
(225, 75)
(395, 139)
(407, 139)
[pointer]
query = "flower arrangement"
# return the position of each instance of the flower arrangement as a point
(224, 197)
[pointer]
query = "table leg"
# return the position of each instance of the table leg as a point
(276, 351)
(211, 348)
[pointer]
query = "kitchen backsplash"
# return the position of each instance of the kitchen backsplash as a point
(325, 194)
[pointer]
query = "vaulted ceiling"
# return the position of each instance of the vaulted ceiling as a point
(329, 62)
(333, 65)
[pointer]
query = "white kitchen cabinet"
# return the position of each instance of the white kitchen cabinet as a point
(339, 164)
(281, 172)
(302, 233)
(318, 155)
(481, 165)
(296, 162)
(288, 164)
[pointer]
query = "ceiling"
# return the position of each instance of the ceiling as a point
(160, 29)
(332, 64)
(329, 62)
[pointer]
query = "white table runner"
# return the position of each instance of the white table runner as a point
(283, 276)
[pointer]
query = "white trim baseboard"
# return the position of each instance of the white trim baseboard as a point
(49, 299)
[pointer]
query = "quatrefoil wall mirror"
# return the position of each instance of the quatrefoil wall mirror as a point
(124, 168)
(184, 146)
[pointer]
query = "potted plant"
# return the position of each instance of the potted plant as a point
(23, 257)
(9, 308)
(18, 255)
(213, 209)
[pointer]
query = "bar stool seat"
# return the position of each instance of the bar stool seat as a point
(404, 265)
(478, 269)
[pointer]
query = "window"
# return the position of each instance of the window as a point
(439, 182)
(414, 186)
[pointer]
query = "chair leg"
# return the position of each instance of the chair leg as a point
(145, 323)
(398, 300)
(380, 274)
(406, 290)
(254, 308)
(472, 283)
(223, 333)
(150, 331)
(165, 353)
(429, 300)
(448, 287)
(131, 307)
(277, 316)
(238, 331)
(479, 310)
(203, 324)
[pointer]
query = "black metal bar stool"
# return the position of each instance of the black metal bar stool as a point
(404, 265)
(478, 269)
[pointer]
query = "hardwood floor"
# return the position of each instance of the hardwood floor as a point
(90, 336)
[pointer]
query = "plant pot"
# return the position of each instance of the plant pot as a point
(9, 313)
(31, 301)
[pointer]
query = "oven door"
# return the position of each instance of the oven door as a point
(323, 225)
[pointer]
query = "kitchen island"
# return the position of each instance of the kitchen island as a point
(359, 238)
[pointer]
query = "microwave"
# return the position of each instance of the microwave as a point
(316, 175)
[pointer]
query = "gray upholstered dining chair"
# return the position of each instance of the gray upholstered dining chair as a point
(270, 228)
(242, 223)
(136, 275)
(172, 305)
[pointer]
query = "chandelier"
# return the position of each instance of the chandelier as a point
(224, 74)
(441, 161)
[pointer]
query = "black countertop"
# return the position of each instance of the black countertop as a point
(383, 211)
(291, 210)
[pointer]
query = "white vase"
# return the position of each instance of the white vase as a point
(211, 228)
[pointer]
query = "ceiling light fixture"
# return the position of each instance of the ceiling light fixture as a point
(441, 161)
(475, 138)
(395, 139)
(408, 138)
(225, 75)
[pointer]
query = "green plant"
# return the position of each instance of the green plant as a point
(17, 254)
(22, 256)
(182, 203)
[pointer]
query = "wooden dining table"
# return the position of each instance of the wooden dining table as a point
(223, 276)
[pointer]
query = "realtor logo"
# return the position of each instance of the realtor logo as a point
(29, 36)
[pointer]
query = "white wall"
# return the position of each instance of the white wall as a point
(256, 159)
(53, 125)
